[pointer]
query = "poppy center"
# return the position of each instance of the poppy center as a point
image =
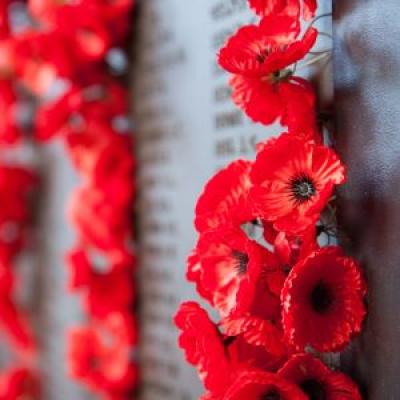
(321, 298)
(313, 389)
(262, 55)
(242, 261)
(303, 188)
(271, 395)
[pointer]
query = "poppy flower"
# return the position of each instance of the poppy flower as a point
(254, 384)
(300, 116)
(16, 185)
(4, 20)
(258, 56)
(266, 100)
(101, 355)
(284, 7)
(19, 383)
(84, 107)
(15, 324)
(293, 181)
(260, 325)
(322, 301)
(228, 264)
(84, 28)
(203, 346)
(100, 223)
(224, 199)
(10, 133)
(52, 117)
(104, 292)
(292, 248)
(318, 381)
(218, 357)
(107, 161)
(39, 58)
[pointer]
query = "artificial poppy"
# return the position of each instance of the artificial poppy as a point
(10, 132)
(317, 380)
(260, 325)
(100, 355)
(323, 301)
(284, 7)
(203, 346)
(258, 56)
(228, 266)
(224, 200)
(19, 383)
(104, 292)
(255, 385)
(292, 182)
(100, 223)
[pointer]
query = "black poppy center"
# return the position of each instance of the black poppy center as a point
(321, 298)
(303, 188)
(242, 261)
(262, 55)
(271, 395)
(313, 389)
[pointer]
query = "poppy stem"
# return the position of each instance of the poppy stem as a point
(317, 18)
(314, 60)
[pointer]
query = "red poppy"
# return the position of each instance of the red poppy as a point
(12, 321)
(317, 381)
(284, 7)
(15, 325)
(261, 50)
(292, 248)
(259, 57)
(260, 325)
(254, 385)
(229, 266)
(4, 20)
(10, 133)
(203, 346)
(52, 117)
(293, 181)
(266, 100)
(107, 160)
(16, 185)
(87, 107)
(19, 383)
(323, 301)
(100, 223)
(104, 292)
(217, 357)
(84, 28)
(101, 355)
(224, 198)
(39, 58)
(298, 98)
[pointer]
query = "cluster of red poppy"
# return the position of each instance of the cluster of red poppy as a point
(59, 58)
(283, 297)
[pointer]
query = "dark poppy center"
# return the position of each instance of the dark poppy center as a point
(321, 298)
(303, 188)
(262, 55)
(271, 395)
(313, 389)
(242, 261)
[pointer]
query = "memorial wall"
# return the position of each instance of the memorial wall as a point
(187, 128)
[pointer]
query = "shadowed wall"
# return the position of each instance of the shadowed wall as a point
(367, 71)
